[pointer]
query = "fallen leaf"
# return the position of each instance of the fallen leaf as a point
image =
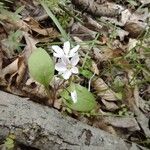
(103, 90)
(110, 106)
(94, 68)
(30, 47)
(11, 68)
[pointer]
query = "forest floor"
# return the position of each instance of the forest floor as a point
(113, 40)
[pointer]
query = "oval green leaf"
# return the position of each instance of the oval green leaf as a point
(41, 66)
(85, 99)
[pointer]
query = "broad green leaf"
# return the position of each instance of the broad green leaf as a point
(85, 99)
(41, 66)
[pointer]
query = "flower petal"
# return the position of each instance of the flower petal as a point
(73, 51)
(74, 60)
(57, 55)
(65, 60)
(60, 67)
(58, 51)
(74, 96)
(75, 70)
(66, 48)
(66, 75)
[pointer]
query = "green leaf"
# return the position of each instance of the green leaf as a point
(86, 73)
(41, 66)
(85, 99)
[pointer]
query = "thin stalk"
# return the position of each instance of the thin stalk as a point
(55, 20)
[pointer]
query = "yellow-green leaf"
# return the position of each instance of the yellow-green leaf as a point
(41, 66)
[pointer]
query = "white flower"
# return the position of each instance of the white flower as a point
(66, 51)
(74, 96)
(67, 67)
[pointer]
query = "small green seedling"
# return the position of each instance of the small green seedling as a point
(10, 142)
(41, 67)
(85, 99)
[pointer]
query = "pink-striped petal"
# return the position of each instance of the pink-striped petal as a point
(66, 48)
(58, 51)
(73, 51)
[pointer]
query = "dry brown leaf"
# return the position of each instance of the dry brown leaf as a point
(1, 59)
(35, 26)
(21, 71)
(83, 32)
(94, 68)
(136, 95)
(103, 90)
(11, 68)
(92, 24)
(35, 90)
(58, 103)
(12, 75)
(12, 24)
(110, 106)
(30, 47)
(103, 54)
(104, 126)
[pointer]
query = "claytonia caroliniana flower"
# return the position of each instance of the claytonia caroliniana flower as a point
(67, 67)
(66, 51)
(74, 96)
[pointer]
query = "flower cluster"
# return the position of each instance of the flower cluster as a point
(66, 63)
(67, 59)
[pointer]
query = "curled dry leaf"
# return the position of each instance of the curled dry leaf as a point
(11, 68)
(134, 29)
(21, 71)
(92, 24)
(94, 68)
(30, 47)
(82, 31)
(13, 24)
(110, 106)
(35, 26)
(16, 70)
(103, 90)
(103, 53)
(136, 24)
(35, 90)
(1, 59)
(136, 95)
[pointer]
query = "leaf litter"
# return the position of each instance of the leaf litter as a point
(114, 58)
